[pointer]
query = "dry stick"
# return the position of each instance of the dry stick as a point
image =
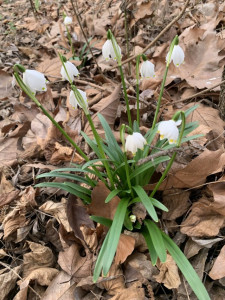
(158, 36)
(33, 9)
(10, 269)
(82, 29)
(199, 93)
(160, 153)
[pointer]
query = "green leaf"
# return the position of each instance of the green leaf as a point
(101, 220)
(92, 144)
(157, 240)
(186, 268)
(65, 187)
(158, 204)
(127, 222)
(146, 201)
(78, 188)
(148, 165)
(150, 245)
(114, 236)
(191, 109)
(111, 195)
(64, 175)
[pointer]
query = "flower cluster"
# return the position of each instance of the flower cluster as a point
(134, 142)
(71, 71)
(177, 56)
(75, 101)
(108, 51)
(35, 81)
(68, 20)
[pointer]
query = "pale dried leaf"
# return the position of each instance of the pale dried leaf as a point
(8, 281)
(168, 275)
(58, 210)
(124, 249)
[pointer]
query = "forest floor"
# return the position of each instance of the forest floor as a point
(48, 248)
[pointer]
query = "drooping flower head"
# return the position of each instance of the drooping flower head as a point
(74, 101)
(134, 142)
(71, 70)
(108, 50)
(147, 69)
(177, 56)
(35, 81)
(68, 20)
(168, 130)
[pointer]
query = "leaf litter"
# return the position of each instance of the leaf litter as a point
(49, 243)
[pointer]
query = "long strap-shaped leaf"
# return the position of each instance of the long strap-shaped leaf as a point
(150, 245)
(146, 201)
(157, 240)
(109, 246)
(186, 268)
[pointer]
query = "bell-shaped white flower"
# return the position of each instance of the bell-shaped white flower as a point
(177, 56)
(147, 69)
(134, 142)
(71, 70)
(76, 102)
(168, 130)
(35, 81)
(68, 20)
(108, 50)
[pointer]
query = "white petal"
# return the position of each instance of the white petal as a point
(68, 20)
(134, 142)
(71, 70)
(35, 81)
(178, 122)
(168, 130)
(147, 69)
(74, 101)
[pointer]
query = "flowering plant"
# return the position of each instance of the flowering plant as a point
(125, 175)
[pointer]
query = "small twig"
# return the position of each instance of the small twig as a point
(158, 154)
(200, 93)
(10, 269)
(82, 29)
(33, 9)
(158, 36)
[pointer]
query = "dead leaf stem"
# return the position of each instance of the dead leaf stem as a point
(156, 38)
(10, 269)
(199, 93)
(82, 29)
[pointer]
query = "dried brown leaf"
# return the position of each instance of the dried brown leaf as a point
(7, 191)
(206, 219)
(73, 263)
(124, 248)
(98, 207)
(134, 292)
(218, 269)
(5, 85)
(168, 275)
(177, 202)
(39, 257)
(106, 107)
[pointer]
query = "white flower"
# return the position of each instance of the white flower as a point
(35, 81)
(108, 50)
(73, 99)
(147, 69)
(177, 56)
(134, 142)
(68, 20)
(168, 130)
(71, 70)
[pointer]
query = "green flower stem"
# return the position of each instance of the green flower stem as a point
(125, 96)
(173, 156)
(98, 140)
(160, 97)
(137, 88)
(70, 40)
(175, 41)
